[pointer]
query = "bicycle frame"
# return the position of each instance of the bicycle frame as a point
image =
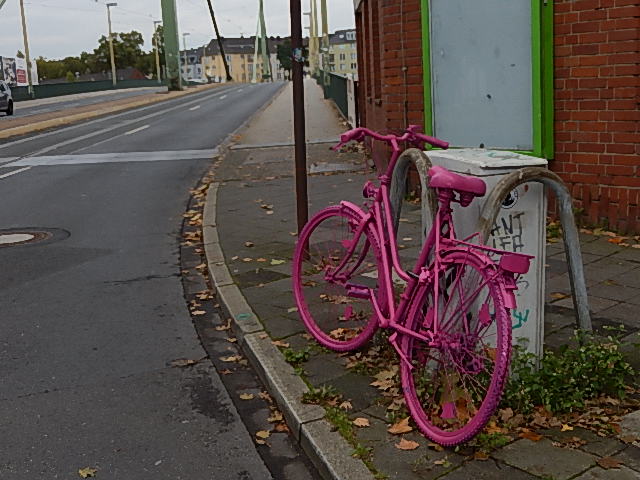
(442, 233)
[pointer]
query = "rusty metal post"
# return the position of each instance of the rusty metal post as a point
(570, 232)
(297, 66)
(399, 187)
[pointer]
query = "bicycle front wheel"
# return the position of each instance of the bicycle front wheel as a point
(455, 381)
(331, 285)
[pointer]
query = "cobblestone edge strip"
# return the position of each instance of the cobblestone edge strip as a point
(327, 449)
(77, 117)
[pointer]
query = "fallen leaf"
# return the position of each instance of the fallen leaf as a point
(197, 313)
(263, 434)
(629, 438)
(566, 427)
(559, 295)
(269, 212)
(481, 455)
(247, 259)
(436, 447)
(608, 462)
(246, 396)
(277, 262)
(405, 444)
(87, 472)
(248, 244)
(235, 258)
(233, 358)
(292, 309)
(400, 427)
(407, 239)
(276, 416)
(280, 343)
(506, 414)
(361, 422)
(534, 437)
(184, 362)
(348, 406)
(232, 340)
(261, 260)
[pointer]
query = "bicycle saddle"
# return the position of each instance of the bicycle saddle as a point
(440, 177)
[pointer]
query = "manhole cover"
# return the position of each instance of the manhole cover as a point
(28, 236)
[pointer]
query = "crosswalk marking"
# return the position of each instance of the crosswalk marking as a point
(161, 156)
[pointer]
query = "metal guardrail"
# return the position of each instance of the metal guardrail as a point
(60, 89)
(491, 210)
(335, 88)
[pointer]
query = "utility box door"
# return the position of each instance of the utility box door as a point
(481, 73)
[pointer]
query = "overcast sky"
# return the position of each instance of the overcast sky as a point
(60, 28)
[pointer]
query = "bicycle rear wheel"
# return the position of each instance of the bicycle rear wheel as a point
(335, 305)
(456, 381)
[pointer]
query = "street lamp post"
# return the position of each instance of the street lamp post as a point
(26, 48)
(113, 61)
(156, 40)
(184, 46)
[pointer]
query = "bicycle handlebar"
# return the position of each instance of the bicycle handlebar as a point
(410, 135)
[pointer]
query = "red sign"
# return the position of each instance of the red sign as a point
(21, 76)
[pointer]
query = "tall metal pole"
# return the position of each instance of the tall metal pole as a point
(113, 61)
(157, 45)
(184, 47)
(224, 58)
(26, 49)
(171, 44)
(298, 114)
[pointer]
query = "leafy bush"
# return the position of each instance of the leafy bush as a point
(567, 378)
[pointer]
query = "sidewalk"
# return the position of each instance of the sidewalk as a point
(249, 236)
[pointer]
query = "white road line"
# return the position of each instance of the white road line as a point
(15, 172)
(122, 157)
(194, 108)
(110, 118)
(136, 130)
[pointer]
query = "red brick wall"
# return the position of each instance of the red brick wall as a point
(597, 110)
(597, 89)
(390, 67)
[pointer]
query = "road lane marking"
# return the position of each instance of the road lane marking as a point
(15, 172)
(136, 130)
(122, 157)
(206, 95)
(194, 108)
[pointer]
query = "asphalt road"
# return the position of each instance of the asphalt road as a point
(59, 104)
(93, 315)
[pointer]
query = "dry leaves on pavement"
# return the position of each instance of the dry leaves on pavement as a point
(400, 427)
(87, 472)
(361, 422)
(405, 444)
(609, 462)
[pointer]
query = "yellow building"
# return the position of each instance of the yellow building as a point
(343, 53)
(240, 57)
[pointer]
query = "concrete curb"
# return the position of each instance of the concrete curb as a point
(73, 118)
(326, 448)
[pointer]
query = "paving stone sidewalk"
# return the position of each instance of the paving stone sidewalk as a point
(256, 225)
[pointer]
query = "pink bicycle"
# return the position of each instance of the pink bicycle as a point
(449, 314)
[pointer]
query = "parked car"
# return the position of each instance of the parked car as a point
(6, 100)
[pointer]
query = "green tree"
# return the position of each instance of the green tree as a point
(127, 49)
(70, 77)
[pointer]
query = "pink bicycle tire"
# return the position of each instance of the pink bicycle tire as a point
(298, 288)
(495, 389)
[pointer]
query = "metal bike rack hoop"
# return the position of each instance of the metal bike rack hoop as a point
(570, 232)
(399, 187)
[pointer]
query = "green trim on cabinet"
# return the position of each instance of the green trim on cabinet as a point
(548, 140)
(426, 67)
(542, 76)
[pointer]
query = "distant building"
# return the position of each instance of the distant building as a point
(343, 53)
(191, 64)
(240, 57)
